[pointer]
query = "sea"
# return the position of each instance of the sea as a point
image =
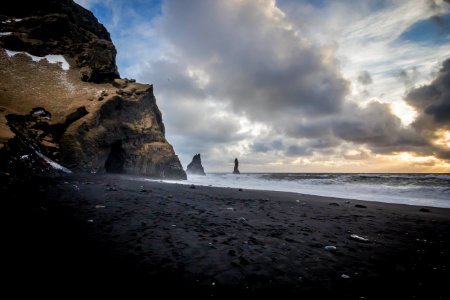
(412, 189)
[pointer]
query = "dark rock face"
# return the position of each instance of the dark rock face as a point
(195, 167)
(60, 27)
(236, 167)
(29, 151)
(35, 131)
(85, 118)
(125, 135)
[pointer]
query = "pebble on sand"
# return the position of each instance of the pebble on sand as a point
(345, 276)
(143, 190)
(359, 238)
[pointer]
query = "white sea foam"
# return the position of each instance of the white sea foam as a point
(15, 20)
(52, 58)
(412, 189)
(53, 163)
(5, 33)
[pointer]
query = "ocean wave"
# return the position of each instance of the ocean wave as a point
(414, 189)
(385, 179)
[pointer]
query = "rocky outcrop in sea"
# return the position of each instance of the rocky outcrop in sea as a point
(236, 167)
(195, 167)
(62, 97)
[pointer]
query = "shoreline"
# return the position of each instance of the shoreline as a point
(355, 191)
(309, 195)
(95, 230)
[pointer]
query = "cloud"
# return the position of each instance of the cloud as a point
(244, 60)
(270, 81)
(174, 79)
(268, 145)
(433, 100)
(364, 78)
(438, 6)
(253, 58)
(248, 59)
(376, 127)
(408, 77)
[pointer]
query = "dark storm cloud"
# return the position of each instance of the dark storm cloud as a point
(285, 145)
(267, 145)
(308, 128)
(364, 78)
(324, 142)
(432, 101)
(293, 147)
(376, 127)
(253, 61)
(296, 150)
(373, 125)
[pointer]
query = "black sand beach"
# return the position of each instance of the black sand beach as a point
(109, 234)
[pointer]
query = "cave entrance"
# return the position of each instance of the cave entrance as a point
(116, 159)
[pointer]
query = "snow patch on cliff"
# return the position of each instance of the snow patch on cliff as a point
(51, 58)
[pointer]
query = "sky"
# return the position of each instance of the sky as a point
(293, 85)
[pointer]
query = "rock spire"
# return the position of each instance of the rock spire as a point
(236, 167)
(195, 167)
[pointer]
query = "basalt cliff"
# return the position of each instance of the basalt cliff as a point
(62, 100)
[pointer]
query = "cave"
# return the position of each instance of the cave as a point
(116, 159)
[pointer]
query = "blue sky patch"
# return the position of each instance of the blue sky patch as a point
(120, 17)
(434, 30)
(102, 12)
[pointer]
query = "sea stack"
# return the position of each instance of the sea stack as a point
(236, 167)
(195, 167)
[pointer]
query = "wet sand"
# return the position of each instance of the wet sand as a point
(108, 234)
